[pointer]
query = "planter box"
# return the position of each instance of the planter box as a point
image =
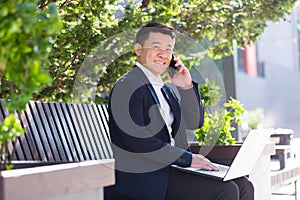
(56, 181)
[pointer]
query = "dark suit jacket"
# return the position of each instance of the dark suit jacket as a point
(140, 139)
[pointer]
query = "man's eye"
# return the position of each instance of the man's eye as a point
(156, 47)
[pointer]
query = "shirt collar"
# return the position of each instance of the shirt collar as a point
(154, 80)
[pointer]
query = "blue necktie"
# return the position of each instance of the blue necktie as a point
(172, 101)
(174, 105)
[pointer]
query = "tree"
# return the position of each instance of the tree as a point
(25, 41)
(88, 23)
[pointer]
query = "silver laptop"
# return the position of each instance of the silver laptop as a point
(243, 162)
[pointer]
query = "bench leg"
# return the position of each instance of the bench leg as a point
(296, 190)
(281, 159)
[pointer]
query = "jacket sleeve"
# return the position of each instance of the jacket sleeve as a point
(191, 107)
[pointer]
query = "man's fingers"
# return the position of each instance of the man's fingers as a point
(210, 167)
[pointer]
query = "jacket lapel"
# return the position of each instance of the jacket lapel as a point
(140, 74)
(171, 98)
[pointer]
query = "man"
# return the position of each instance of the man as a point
(147, 124)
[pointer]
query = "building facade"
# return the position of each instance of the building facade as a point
(267, 74)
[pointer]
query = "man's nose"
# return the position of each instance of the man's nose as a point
(164, 53)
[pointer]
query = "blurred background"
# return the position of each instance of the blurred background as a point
(265, 76)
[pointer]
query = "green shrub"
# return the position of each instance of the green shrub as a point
(218, 123)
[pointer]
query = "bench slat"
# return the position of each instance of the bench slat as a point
(89, 132)
(53, 156)
(46, 153)
(96, 122)
(23, 151)
(83, 130)
(31, 131)
(65, 133)
(57, 121)
(103, 110)
(2, 115)
(93, 132)
(54, 131)
(74, 124)
(76, 148)
(100, 116)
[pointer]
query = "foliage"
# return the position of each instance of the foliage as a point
(225, 21)
(85, 25)
(252, 119)
(88, 23)
(10, 129)
(218, 123)
(25, 41)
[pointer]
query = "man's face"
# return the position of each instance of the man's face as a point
(156, 53)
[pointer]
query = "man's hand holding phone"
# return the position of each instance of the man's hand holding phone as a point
(179, 74)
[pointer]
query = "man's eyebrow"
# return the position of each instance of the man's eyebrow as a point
(160, 43)
(156, 42)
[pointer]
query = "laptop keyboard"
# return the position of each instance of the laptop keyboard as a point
(221, 173)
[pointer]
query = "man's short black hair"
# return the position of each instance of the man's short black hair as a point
(143, 34)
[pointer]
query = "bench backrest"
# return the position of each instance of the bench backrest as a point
(62, 132)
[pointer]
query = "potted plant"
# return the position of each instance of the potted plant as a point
(214, 137)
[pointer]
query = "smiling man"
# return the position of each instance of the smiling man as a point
(148, 123)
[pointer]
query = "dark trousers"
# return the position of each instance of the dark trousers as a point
(186, 186)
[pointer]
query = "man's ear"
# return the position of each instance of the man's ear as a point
(137, 49)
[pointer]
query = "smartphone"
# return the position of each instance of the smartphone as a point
(172, 69)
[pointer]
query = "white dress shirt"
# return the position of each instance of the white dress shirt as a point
(165, 109)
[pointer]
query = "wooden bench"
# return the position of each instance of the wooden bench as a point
(75, 134)
(290, 173)
(283, 152)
